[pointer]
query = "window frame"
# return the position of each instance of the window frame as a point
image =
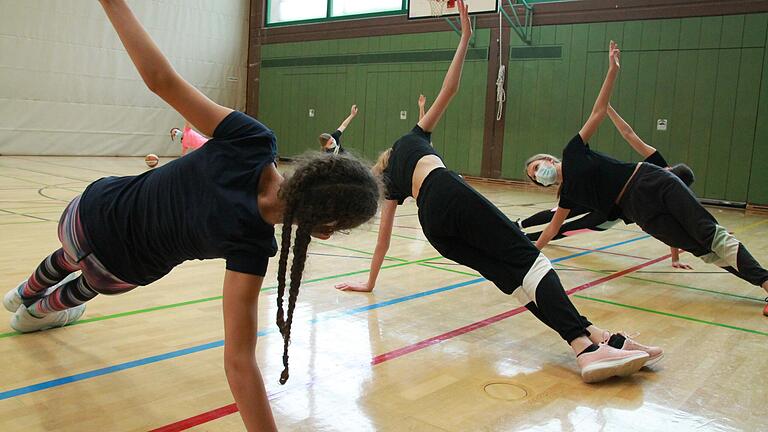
(328, 15)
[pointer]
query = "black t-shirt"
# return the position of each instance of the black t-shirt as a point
(406, 152)
(592, 179)
(657, 159)
(201, 206)
(337, 136)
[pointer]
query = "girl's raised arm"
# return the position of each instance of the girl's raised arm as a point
(158, 74)
(452, 77)
(601, 104)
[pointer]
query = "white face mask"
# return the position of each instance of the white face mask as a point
(177, 133)
(546, 174)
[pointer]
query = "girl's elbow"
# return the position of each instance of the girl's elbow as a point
(236, 364)
(627, 133)
(450, 90)
(600, 112)
(159, 84)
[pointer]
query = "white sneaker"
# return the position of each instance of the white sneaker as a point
(24, 322)
(12, 299)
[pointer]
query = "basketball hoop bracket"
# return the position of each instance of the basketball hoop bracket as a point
(524, 27)
(456, 26)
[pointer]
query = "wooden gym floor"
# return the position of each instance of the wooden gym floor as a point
(434, 348)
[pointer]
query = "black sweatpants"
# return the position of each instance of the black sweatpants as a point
(467, 228)
(592, 221)
(664, 207)
(545, 216)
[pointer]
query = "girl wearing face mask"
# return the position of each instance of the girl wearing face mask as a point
(596, 221)
(190, 140)
(654, 198)
(465, 227)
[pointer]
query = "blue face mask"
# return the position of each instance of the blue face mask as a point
(546, 174)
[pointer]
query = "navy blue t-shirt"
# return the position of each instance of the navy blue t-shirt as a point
(201, 206)
(406, 153)
(336, 136)
(592, 179)
(657, 159)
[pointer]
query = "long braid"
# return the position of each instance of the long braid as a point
(282, 267)
(324, 192)
(297, 269)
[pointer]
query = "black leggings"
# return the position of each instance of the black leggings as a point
(591, 221)
(665, 208)
(467, 228)
(545, 216)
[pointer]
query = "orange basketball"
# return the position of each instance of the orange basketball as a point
(151, 160)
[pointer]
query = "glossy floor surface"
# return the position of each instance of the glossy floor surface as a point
(433, 348)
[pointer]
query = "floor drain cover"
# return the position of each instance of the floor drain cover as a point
(506, 391)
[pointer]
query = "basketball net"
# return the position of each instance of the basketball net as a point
(438, 6)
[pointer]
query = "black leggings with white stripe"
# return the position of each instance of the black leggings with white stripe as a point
(664, 207)
(467, 228)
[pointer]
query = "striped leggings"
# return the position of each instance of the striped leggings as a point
(74, 255)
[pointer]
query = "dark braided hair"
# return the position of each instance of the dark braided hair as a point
(328, 192)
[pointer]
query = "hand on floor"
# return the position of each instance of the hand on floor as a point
(354, 286)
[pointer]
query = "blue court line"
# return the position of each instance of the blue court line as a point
(216, 344)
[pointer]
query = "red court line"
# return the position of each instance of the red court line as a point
(502, 316)
(198, 419)
(381, 358)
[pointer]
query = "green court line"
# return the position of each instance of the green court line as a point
(402, 262)
(698, 289)
(684, 317)
(362, 251)
(207, 299)
(421, 262)
(406, 237)
(610, 302)
(450, 270)
(652, 310)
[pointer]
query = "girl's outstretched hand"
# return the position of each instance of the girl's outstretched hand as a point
(466, 26)
(614, 55)
(354, 286)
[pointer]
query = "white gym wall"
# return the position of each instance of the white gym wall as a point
(67, 86)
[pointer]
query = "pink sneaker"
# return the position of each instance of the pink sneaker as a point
(607, 361)
(624, 342)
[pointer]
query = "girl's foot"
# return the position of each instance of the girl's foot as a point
(623, 342)
(24, 322)
(12, 299)
(607, 361)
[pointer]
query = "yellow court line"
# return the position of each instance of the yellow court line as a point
(750, 226)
